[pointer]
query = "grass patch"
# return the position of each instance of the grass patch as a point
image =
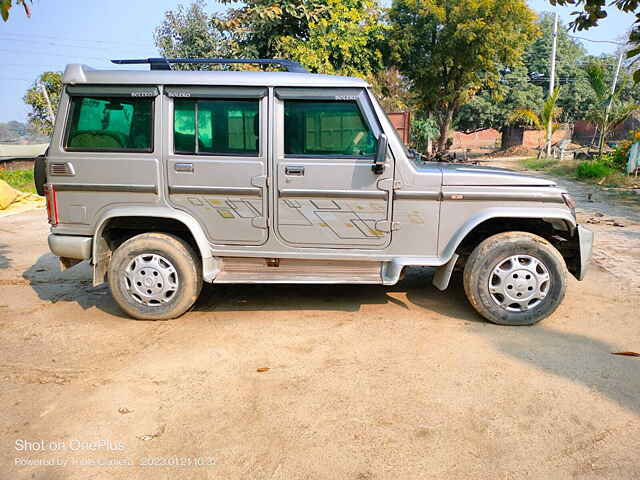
(19, 179)
(539, 163)
(591, 170)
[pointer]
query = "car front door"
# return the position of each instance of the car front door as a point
(327, 192)
(216, 160)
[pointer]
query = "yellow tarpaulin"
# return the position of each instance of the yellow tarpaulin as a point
(12, 200)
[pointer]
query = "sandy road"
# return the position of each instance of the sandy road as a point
(363, 382)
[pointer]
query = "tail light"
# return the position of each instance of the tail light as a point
(52, 203)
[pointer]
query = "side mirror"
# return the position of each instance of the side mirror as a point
(381, 154)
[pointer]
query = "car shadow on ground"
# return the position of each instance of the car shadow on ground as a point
(51, 284)
(342, 297)
(581, 359)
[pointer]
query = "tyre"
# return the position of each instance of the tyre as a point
(40, 172)
(155, 276)
(515, 278)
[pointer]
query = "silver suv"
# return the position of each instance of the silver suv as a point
(164, 179)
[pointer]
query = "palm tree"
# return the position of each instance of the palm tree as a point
(547, 115)
(608, 112)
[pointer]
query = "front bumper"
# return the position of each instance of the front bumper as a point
(585, 244)
(70, 246)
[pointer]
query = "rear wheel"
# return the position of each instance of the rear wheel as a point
(155, 276)
(515, 278)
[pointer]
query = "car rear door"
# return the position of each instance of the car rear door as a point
(216, 160)
(327, 193)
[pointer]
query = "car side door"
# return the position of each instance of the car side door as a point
(216, 160)
(328, 193)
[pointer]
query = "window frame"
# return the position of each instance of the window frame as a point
(109, 93)
(350, 94)
(207, 98)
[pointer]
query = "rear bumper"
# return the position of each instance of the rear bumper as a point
(585, 243)
(70, 246)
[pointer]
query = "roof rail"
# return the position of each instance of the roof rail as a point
(165, 63)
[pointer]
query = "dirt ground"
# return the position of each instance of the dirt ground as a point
(318, 382)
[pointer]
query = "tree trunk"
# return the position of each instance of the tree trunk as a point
(444, 125)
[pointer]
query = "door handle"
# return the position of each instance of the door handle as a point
(294, 170)
(184, 167)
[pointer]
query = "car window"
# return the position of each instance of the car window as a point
(326, 128)
(110, 124)
(223, 126)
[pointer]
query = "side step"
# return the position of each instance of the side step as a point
(288, 270)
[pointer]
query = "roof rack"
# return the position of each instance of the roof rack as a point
(165, 63)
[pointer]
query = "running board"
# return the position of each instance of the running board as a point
(288, 270)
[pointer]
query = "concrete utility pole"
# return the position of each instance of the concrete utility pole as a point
(52, 117)
(608, 109)
(552, 82)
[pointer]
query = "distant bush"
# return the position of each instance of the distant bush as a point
(620, 156)
(596, 169)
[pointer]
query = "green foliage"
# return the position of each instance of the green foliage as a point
(38, 118)
(19, 179)
(490, 108)
(421, 132)
(596, 169)
(326, 36)
(608, 111)
(5, 6)
(450, 50)
(620, 156)
(547, 114)
(344, 40)
(189, 32)
(594, 10)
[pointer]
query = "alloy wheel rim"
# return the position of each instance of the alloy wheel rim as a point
(519, 283)
(151, 279)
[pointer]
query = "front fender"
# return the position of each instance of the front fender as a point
(547, 214)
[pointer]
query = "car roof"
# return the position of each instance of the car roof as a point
(76, 74)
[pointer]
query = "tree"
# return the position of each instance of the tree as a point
(450, 50)
(326, 36)
(594, 10)
(39, 116)
(345, 39)
(393, 90)
(547, 114)
(191, 33)
(5, 6)
(491, 108)
(575, 98)
(608, 111)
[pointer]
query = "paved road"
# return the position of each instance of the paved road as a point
(363, 382)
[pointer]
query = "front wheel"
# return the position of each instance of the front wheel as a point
(155, 276)
(515, 278)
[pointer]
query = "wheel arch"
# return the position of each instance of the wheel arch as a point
(547, 223)
(115, 226)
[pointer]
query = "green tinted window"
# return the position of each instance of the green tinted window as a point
(110, 124)
(326, 128)
(224, 126)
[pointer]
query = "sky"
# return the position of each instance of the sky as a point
(94, 31)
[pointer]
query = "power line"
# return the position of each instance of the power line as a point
(68, 45)
(32, 52)
(52, 37)
(597, 41)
